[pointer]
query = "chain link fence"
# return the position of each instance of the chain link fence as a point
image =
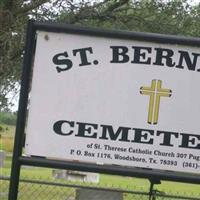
(38, 183)
(38, 189)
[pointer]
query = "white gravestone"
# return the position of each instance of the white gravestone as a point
(76, 176)
(2, 157)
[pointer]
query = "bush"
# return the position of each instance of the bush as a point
(1, 129)
(8, 118)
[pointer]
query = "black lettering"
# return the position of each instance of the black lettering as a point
(119, 54)
(162, 54)
(190, 141)
(58, 60)
(142, 136)
(108, 133)
(85, 130)
(191, 64)
(167, 137)
(140, 56)
(83, 55)
(60, 127)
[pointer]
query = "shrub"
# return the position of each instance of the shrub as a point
(1, 129)
(8, 118)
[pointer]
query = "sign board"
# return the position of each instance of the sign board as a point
(112, 102)
(115, 101)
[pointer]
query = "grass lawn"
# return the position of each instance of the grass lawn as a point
(106, 181)
(6, 138)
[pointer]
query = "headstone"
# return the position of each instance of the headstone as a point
(2, 157)
(90, 194)
(76, 176)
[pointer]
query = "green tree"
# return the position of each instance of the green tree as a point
(13, 18)
(175, 17)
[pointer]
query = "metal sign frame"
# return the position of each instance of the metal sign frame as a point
(19, 159)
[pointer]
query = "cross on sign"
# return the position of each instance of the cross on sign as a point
(155, 92)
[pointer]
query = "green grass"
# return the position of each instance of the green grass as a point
(6, 138)
(183, 189)
(106, 181)
(8, 130)
(126, 183)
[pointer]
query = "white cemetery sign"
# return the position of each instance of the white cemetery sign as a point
(115, 101)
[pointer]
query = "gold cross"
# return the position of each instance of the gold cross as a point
(155, 92)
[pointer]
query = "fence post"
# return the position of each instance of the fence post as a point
(21, 117)
(152, 192)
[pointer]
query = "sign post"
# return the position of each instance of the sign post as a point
(118, 102)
